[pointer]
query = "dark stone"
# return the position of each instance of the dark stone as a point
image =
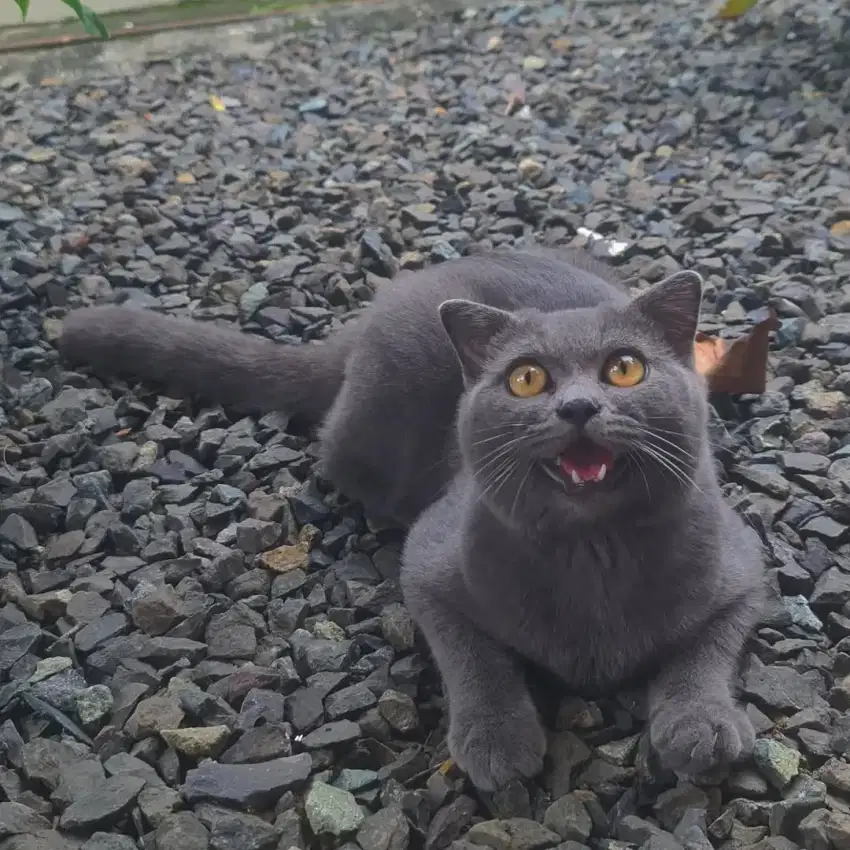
(331, 734)
(104, 805)
(387, 829)
(252, 785)
(182, 831)
(262, 743)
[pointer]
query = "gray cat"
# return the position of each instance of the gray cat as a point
(544, 435)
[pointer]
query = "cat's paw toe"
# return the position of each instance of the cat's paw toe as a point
(693, 739)
(493, 750)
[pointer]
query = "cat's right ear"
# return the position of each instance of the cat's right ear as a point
(471, 328)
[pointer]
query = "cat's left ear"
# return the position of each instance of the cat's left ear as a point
(471, 328)
(673, 307)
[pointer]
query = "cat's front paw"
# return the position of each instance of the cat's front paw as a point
(493, 748)
(691, 739)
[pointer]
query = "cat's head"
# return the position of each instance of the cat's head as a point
(582, 412)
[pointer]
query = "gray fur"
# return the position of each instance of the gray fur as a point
(646, 575)
(385, 387)
(245, 372)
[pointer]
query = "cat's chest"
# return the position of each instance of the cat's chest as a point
(590, 610)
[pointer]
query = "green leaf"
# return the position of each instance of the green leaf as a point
(93, 24)
(24, 6)
(90, 20)
(75, 6)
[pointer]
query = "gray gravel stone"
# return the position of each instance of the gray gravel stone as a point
(182, 831)
(102, 806)
(778, 763)
(254, 785)
(332, 811)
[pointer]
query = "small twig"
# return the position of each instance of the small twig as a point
(39, 706)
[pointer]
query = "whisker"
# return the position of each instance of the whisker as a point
(507, 444)
(505, 478)
(676, 446)
(487, 477)
(493, 473)
(499, 436)
(711, 440)
(660, 452)
(497, 481)
(496, 455)
(632, 426)
(665, 464)
(636, 459)
(671, 463)
(519, 489)
(504, 426)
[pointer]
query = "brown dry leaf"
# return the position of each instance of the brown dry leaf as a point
(124, 432)
(186, 178)
(708, 352)
(840, 228)
(736, 366)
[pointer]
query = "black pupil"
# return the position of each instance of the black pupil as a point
(623, 365)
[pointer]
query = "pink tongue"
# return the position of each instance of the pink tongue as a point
(586, 462)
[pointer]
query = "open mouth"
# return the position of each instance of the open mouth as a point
(585, 462)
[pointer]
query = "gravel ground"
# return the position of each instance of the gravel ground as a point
(201, 644)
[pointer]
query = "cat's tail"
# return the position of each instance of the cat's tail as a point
(198, 358)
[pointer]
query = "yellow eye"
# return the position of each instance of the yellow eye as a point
(624, 371)
(527, 380)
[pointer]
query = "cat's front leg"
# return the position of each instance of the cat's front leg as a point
(495, 733)
(695, 722)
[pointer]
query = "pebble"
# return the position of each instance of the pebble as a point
(569, 818)
(254, 785)
(103, 806)
(93, 704)
(197, 742)
(399, 710)
(332, 811)
(778, 763)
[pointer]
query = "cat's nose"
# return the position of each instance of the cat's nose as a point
(578, 411)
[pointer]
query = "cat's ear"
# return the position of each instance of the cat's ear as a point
(471, 328)
(673, 305)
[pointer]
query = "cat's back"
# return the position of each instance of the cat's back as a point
(404, 317)
(545, 279)
(540, 278)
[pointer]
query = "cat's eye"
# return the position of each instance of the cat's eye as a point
(624, 370)
(527, 380)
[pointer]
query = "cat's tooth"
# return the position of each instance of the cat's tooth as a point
(574, 475)
(602, 472)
